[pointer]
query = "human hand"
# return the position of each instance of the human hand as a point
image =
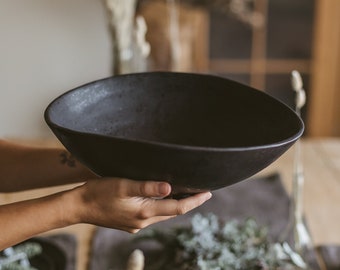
(130, 205)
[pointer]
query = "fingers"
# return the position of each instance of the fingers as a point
(180, 207)
(170, 207)
(153, 211)
(148, 189)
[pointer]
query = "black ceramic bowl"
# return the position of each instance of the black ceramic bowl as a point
(195, 131)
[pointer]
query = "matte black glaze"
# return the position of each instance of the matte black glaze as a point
(195, 131)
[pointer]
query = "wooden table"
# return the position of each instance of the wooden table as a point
(321, 159)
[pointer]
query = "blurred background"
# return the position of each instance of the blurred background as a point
(50, 47)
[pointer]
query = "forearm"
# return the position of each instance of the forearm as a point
(115, 203)
(25, 167)
(22, 220)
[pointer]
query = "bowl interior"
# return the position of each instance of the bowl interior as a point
(176, 108)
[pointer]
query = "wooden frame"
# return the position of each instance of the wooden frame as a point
(324, 110)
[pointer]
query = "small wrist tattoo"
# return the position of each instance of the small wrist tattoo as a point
(67, 159)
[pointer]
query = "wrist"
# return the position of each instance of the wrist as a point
(71, 207)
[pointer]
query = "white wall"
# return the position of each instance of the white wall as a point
(46, 48)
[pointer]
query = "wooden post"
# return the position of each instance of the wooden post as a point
(324, 110)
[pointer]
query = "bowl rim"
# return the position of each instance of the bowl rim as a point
(285, 141)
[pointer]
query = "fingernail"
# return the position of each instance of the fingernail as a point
(163, 189)
(209, 195)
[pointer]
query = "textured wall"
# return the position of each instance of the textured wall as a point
(46, 48)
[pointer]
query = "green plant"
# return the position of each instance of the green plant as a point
(210, 245)
(16, 258)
